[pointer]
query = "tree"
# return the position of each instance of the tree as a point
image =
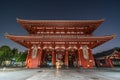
(5, 53)
(15, 53)
(1, 57)
(22, 57)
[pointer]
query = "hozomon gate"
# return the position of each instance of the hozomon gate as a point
(68, 41)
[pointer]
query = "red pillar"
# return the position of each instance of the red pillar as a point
(66, 59)
(79, 61)
(40, 56)
(53, 58)
(91, 59)
(28, 60)
(109, 63)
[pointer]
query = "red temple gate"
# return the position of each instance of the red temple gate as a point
(68, 41)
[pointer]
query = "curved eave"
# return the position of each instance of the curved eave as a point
(53, 21)
(24, 40)
(26, 24)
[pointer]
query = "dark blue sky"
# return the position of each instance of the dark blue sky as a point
(60, 9)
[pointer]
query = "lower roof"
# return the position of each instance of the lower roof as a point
(27, 41)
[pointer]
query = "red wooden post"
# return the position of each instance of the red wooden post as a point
(91, 58)
(66, 59)
(40, 56)
(28, 61)
(53, 57)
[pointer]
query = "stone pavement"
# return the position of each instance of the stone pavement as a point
(61, 74)
(72, 74)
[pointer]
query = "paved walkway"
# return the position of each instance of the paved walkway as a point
(62, 74)
(71, 75)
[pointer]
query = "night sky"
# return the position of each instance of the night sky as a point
(60, 10)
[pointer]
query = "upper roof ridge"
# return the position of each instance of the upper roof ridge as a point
(18, 19)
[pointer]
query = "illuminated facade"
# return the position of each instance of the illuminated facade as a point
(67, 41)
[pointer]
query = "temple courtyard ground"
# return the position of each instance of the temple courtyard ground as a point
(61, 74)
